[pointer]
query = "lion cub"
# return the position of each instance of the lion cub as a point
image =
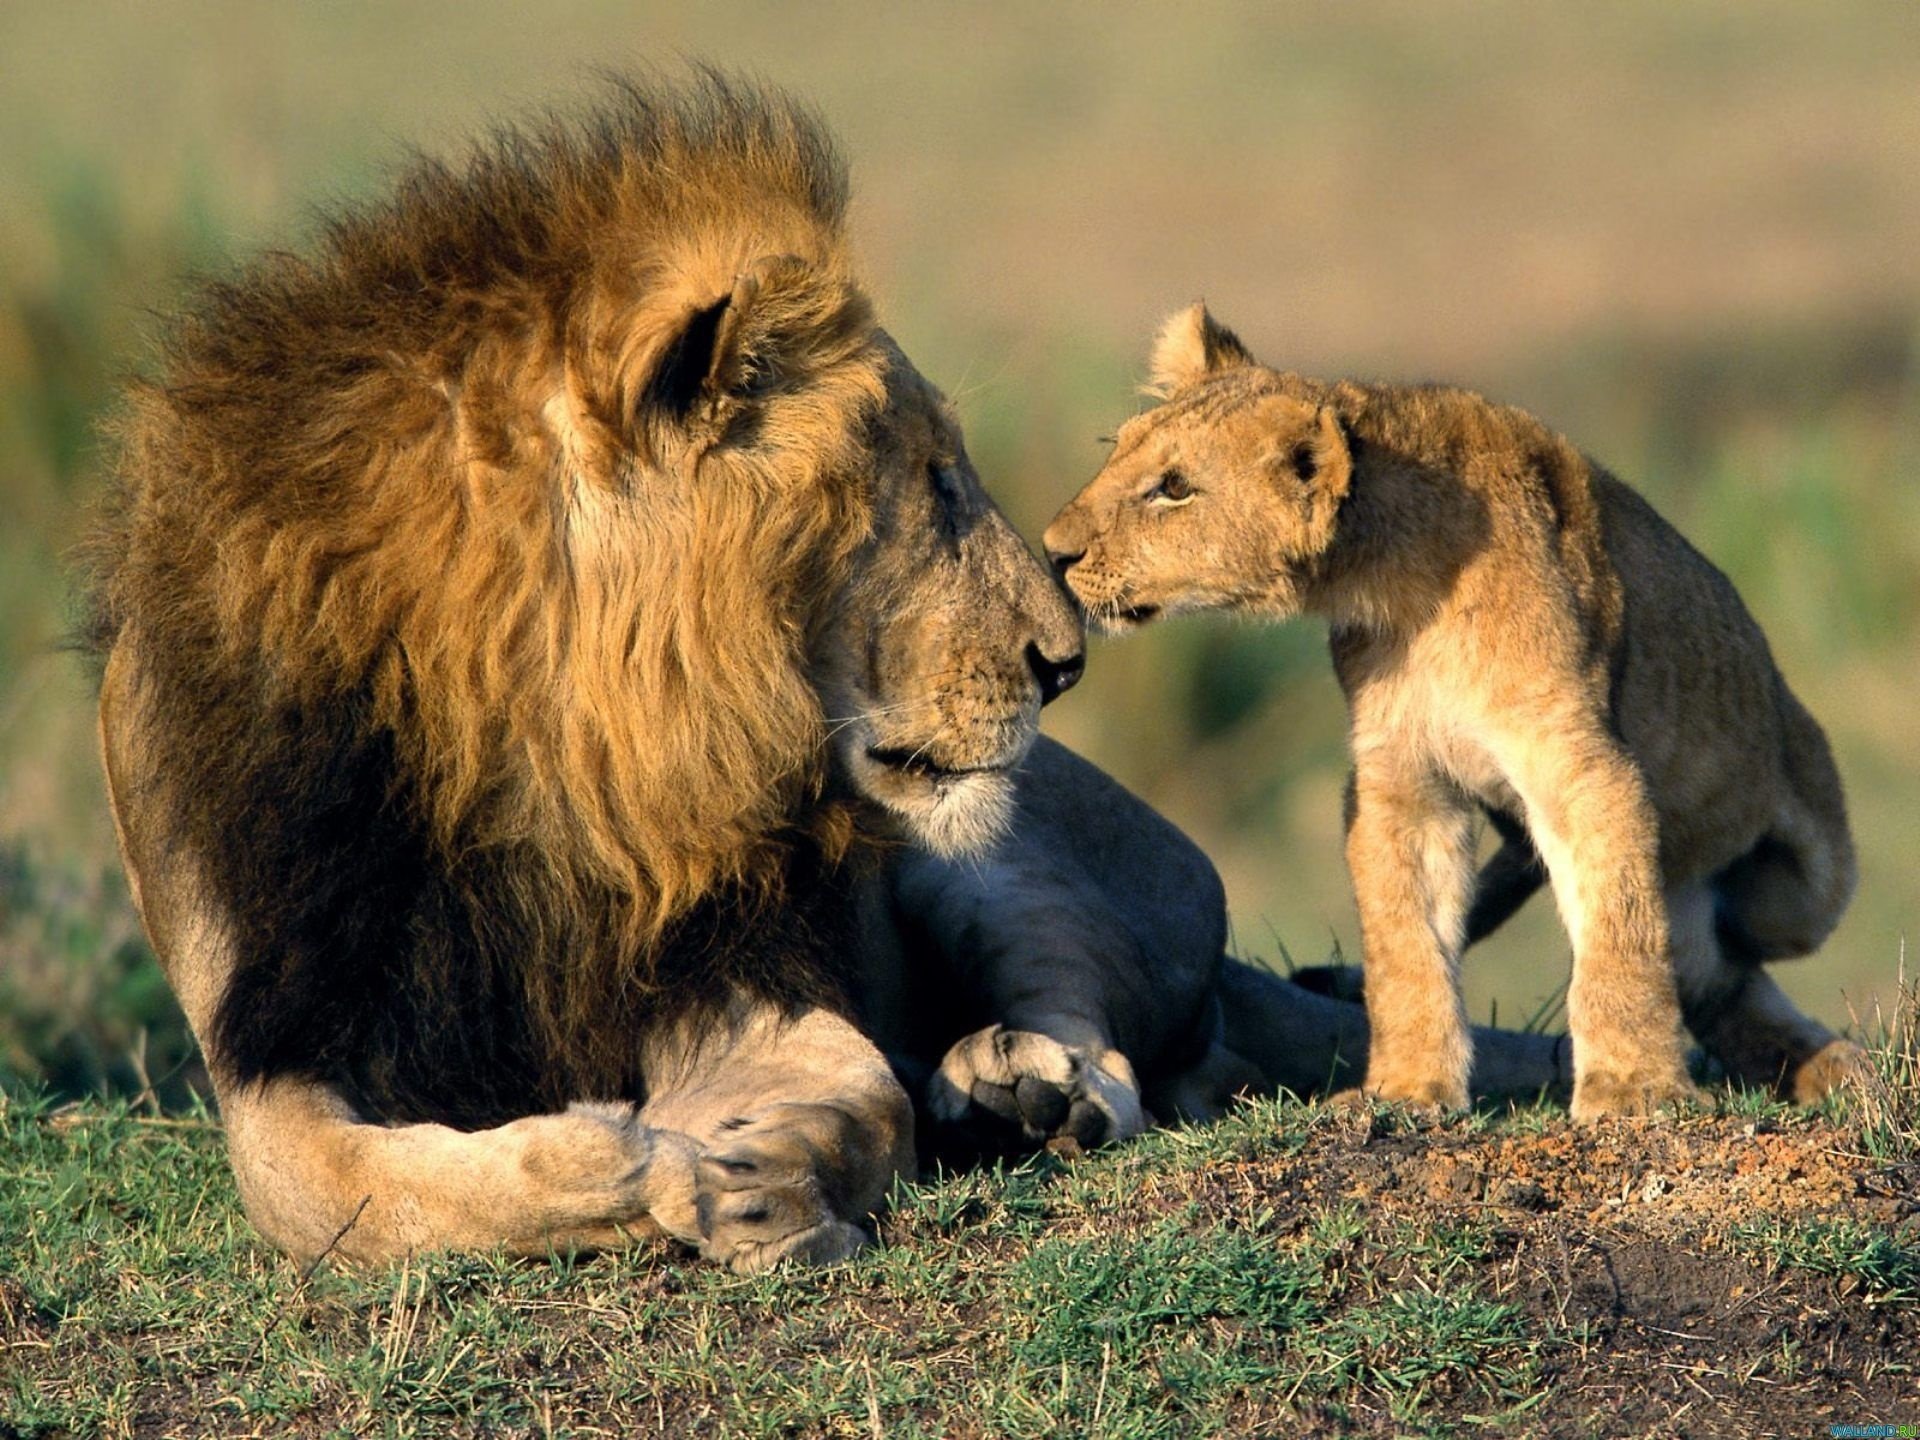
(1519, 632)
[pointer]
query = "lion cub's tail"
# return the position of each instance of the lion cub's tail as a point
(1784, 896)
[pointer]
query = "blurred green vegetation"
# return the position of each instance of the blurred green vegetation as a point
(1682, 234)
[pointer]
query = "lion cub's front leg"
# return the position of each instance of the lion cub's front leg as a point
(1410, 852)
(1595, 827)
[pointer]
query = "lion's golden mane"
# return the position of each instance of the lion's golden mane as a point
(405, 540)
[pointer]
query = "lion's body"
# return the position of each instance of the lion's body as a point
(1518, 631)
(546, 633)
(388, 663)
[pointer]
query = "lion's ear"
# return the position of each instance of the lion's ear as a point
(728, 350)
(1191, 346)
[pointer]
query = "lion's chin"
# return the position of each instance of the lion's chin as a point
(954, 815)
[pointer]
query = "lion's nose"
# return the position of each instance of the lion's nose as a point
(1056, 677)
(1064, 560)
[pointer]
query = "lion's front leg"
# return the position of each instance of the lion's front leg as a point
(1064, 985)
(1089, 941)
(317, 1179)
(1029, 1084)
(798, 1129)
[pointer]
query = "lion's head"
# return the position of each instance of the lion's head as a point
(1224, 496)
(583, 476)
(945, 636)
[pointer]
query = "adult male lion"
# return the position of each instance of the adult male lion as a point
(530, 627)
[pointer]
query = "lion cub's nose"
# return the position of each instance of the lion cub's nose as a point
(1064, 560)
(1056, 677)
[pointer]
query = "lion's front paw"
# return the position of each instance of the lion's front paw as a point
(1028, 1088)
(759, 1198)
(1601, 1093)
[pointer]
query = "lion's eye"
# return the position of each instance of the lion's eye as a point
(947, 491)
(1173, 487)
(941, 479)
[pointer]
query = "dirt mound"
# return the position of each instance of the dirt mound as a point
(1702, 1276)
(1689, 1177)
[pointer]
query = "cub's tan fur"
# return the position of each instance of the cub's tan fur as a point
(564, 693)
(1517, 630)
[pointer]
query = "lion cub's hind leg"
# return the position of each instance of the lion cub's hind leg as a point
(1779, 900)
(1741, 1015)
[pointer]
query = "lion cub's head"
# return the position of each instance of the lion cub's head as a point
(1225, 495)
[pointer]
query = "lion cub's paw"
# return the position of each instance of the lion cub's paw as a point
(1432, 1100)
(759, 1199)
(1031, 1085)
(1602, 1093)
(1832, 1067)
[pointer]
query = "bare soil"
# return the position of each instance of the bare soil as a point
(1645, 1250)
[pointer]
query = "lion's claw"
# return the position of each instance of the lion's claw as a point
(759, 1199)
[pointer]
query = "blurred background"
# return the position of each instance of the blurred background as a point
(1686, 234)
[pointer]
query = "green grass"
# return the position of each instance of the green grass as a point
(1885, 1270)
(1200, 1282)
(1031, 1300)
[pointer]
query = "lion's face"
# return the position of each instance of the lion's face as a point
(1224, 496)
(940, 649)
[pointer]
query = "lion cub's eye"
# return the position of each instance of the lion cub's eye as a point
(1173, 489)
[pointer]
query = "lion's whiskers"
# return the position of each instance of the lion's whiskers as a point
(837, 723)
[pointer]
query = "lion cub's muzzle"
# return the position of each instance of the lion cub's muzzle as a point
(1101, 604)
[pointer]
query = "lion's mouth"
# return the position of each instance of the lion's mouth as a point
(918, 763)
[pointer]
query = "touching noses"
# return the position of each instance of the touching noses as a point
(1063, 547)
(1056, 677)
(1063, 561)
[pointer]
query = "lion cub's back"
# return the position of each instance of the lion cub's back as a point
(1698, 697)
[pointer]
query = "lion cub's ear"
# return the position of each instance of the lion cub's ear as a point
(1320, 460)
(1191, 346)
(1325, 458)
